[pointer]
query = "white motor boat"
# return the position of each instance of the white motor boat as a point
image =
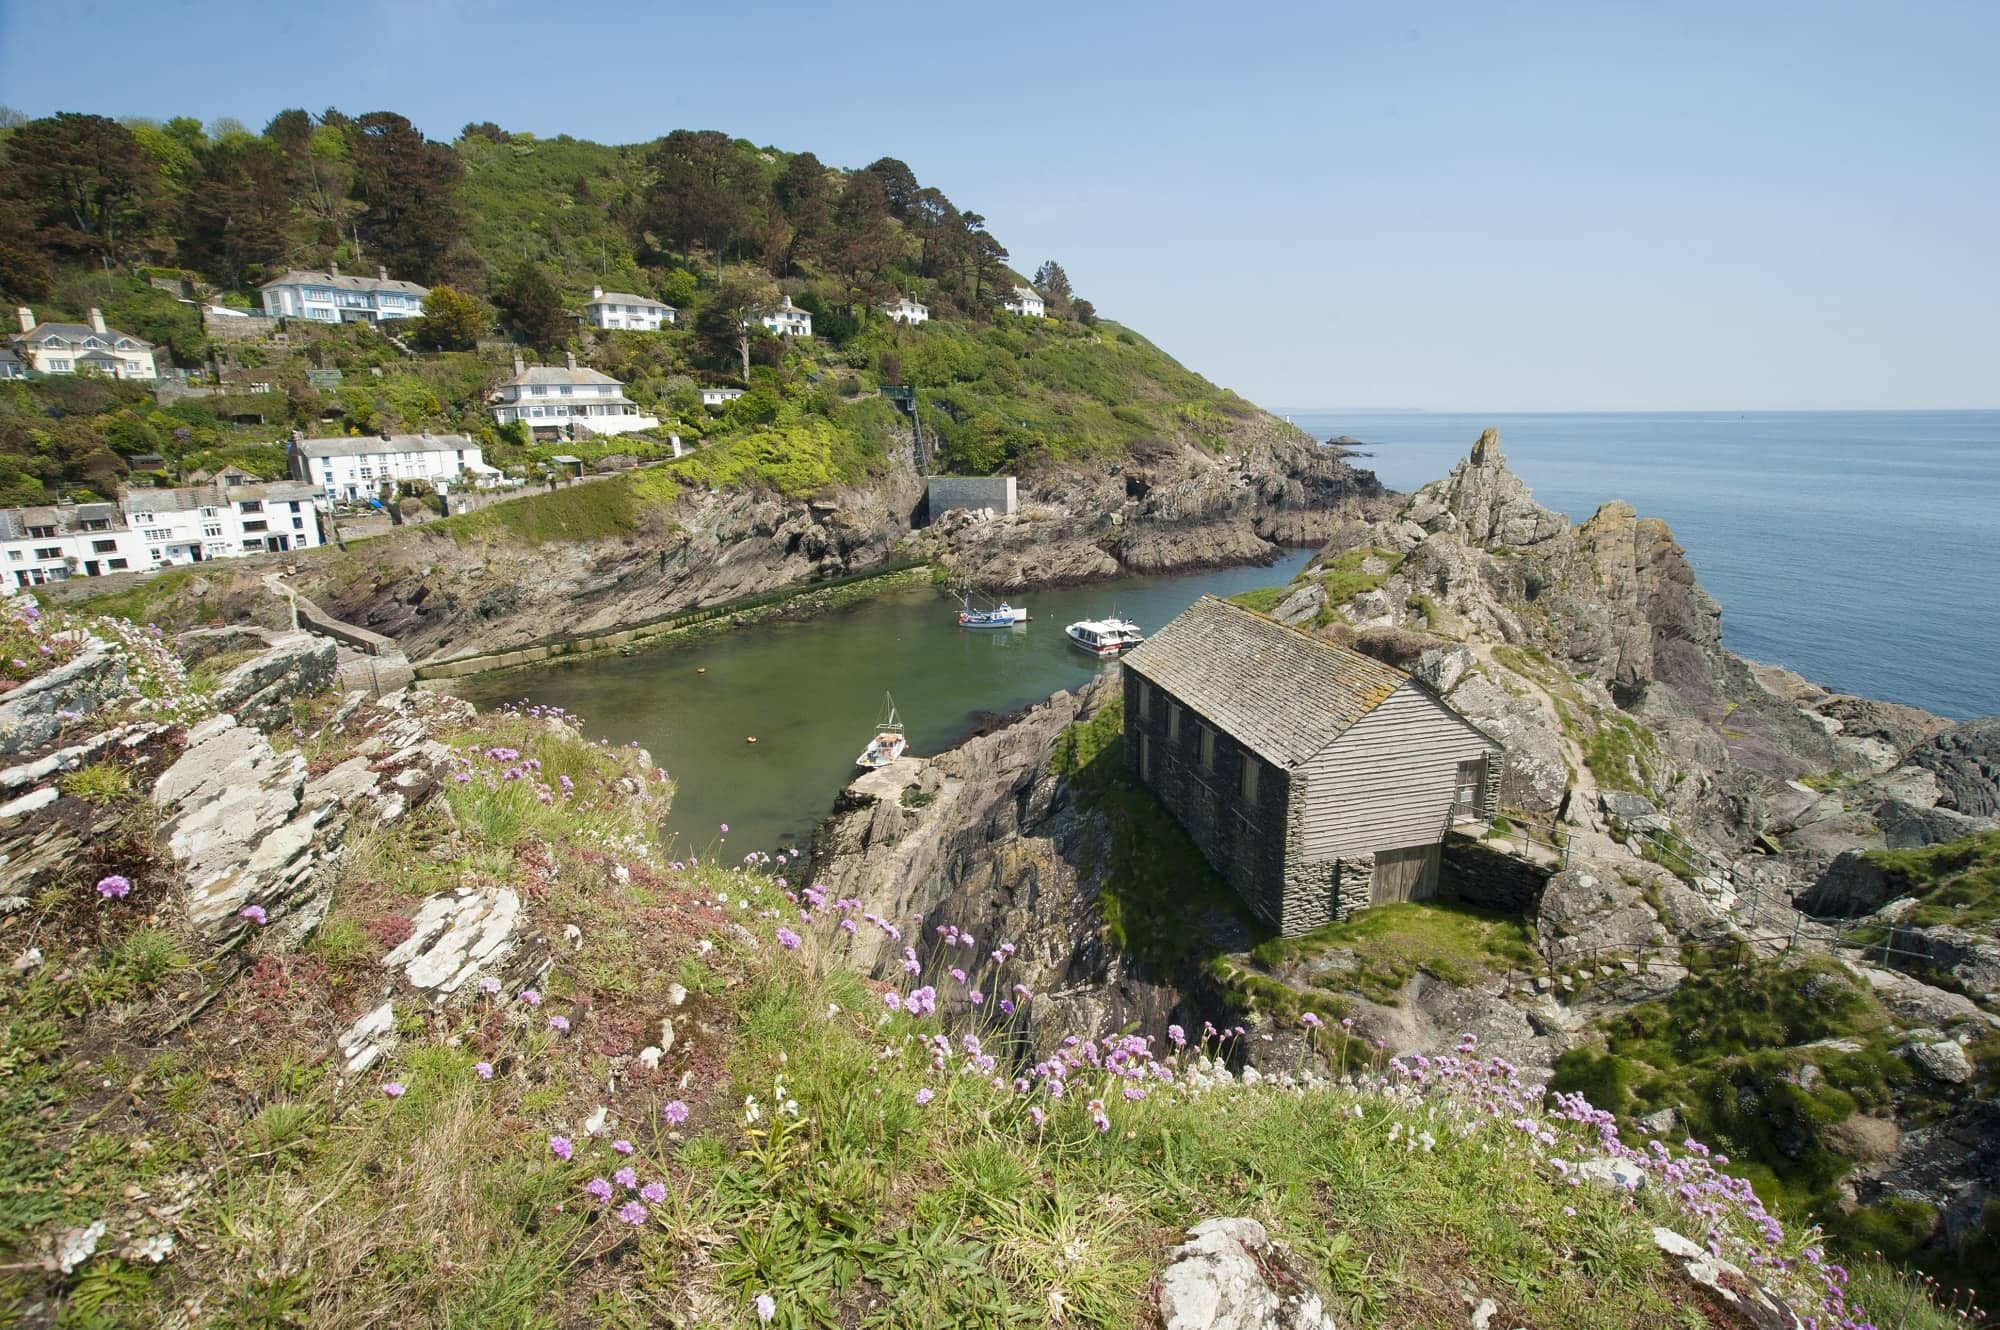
(1104, 637)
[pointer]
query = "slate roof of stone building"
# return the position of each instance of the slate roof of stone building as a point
(1282, 693)
(344, 282)
(556, 374)
(627, 298)
(367, 445)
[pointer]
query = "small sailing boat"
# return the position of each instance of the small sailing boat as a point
(888, 743)
(1002, 615)
(1104, 637)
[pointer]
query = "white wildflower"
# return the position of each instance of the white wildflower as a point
(77, 1245)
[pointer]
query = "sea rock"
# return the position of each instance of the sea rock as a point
(1966, 759)
(259, 692)
(1916, 1003)
(1230, 1275)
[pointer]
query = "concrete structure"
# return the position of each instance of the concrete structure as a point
(788, 320)
(566, 400)
(622, 310)
(944, 493)
(1025, 300)
(1317, 781)
(350, 470)
(905, 310)
(334, 297)
(719, 396)
(88, 348)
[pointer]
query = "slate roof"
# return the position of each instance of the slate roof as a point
(76, 332)
(1026, 293)
(1282, 693)
(627, 298)
(557, 374)
(367, 445)
(343, 282)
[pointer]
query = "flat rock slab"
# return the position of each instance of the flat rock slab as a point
(458, 935)
(1231, 1276)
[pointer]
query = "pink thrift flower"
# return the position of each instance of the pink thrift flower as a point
(626, 1178)
(394, 1089)
(115, 887)
(893, 1002)
(632, 1213)
(483, 1070)
(766, 1308)
(255, 914)
(676, 1112)
(622, 1147)
(788, 939)
(975, 997)
(599, 1188)
(560, 1147)
(924, 1096)
(653, 1193)
(531, 997)
(560, 1024)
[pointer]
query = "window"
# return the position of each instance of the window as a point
(142, 518)
(41, 533)
(1207, 749)
(1174, 721)
(118, 565)
(160, 535)
(251, 506)
(298, 523)
(213, 530)
(15, 555)
(1145, 756)
(258, 525)
(1251, 770)
(103, 546)
(211, 512)
(59, 367)
(49, 552)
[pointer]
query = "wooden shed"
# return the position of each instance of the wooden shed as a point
(1318, 781)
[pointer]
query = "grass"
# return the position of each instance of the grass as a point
(138, 601)
(596, 510)
(1955, 883)
(1262, 599)
(101, 782)
(1458, 943)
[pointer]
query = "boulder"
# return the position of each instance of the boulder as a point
(1586, 911)
(457, 936)
(1230, 1275)
(259, 692)
(29, 715)
(1752, 1304)
(1443, 667)
(1941, 1060)
(1966, 761)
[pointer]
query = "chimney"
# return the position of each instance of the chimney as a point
(519, 368)
(596, 291)
(26, 316)
(382, 272)
(385, 435)
(333, 268)
(97, 320)
(570, 356)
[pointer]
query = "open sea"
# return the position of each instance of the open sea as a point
(1859, 548)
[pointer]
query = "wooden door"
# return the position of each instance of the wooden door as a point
(1405, 875)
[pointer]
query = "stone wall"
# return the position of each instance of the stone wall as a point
(1244, 843)
(948, 492)
(1478, 873)
(1354, 886)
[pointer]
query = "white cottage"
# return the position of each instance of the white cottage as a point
(719, 396)
(352, 469)
(336, 297)
(625, 311)
(55, 542)
(905, 310)
(788, 320)
(179, 526)
(1026, 301)
(569, 398)
(72, 348)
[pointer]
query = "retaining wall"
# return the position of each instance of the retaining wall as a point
(1479, 873)
(945, 493)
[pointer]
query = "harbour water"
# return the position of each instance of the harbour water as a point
(808, 692)
(1860, 548)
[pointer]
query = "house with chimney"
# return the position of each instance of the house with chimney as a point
(557, 401)
(335, 297)
(155, 528)
(618, 310)
(1316, 780)
(1026, 301)
(788, 320)
(350, 470)
(83, 348)
(905, 310)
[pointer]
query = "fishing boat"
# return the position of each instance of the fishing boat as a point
(888, 743)
(1002, 615)
(1104, 637)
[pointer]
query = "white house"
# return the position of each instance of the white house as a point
(56, 542)
(1024, 301)
(621, 309)
(350, 470)
(788, 320)
(333, 297)
(67, 348)
(547, 398)
(906, 310)
(719, 396)
(178, 526)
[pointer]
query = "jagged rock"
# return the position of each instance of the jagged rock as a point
(1847, 887)
(458, 935)
(1754, 1304)
(1621, 1174)
(1634, 810)
(1941, 1060)
(372, 1035)
(1970, 958)
(1966, 759)
(1232, 1276)
(259, 692)
(1586, 911)
(1917, 1003)
(28, 714)
(1864, 1139)
(1443, 667)
(1912, 827)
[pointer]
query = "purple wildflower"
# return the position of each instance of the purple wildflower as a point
(632, 1213)
(653, 1193)
(599, 1188)
(560, 1147)
(766, 1308)
(622, 1147)
(924, 1096)
(560, 1024)
(114, 887)
(394, 1089)
(627, 1179)
(483, 1070)
(788, 939)
(531, 997)
(676, 1112)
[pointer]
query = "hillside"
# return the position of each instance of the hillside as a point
(329, 1012)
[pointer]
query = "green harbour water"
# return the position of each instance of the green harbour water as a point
(809, 691)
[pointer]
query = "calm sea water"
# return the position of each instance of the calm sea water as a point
(1860, 548)
(809, 691)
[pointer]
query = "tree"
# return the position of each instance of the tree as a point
(899, 184)
(91, 189)
(453, 320)
(485, 129)
(239, 210)
(729, 321)
(806, 191)
(530, 304)
(1053, 282)
(1086, 313)
(703, 191)
(409, 186)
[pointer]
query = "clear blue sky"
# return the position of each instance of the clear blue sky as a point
(1481, 205)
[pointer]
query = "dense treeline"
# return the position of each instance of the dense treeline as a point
(235, 207)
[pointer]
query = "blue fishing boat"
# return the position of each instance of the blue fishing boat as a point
(1002, 615)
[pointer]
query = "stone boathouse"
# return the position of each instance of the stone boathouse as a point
(1318, 781)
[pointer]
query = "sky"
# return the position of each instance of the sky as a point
(1478, 206)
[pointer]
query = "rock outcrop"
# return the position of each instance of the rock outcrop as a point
(1230, 1275)
(1966, 761)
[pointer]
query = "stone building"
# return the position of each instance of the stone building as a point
(1318, 781)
